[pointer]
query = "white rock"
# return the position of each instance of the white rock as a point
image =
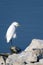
(36, 43)
(14, 60)
(41, 60)
(36, 51)
(11, 58)
(2, 61)
(25, 56)
(18, 62)
(28, 55)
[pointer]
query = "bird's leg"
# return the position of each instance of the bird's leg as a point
(11, 42)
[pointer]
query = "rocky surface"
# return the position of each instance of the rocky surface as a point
(32, 55)
(36, 43)
(41, 61)
(2, 62)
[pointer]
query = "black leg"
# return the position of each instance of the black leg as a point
(11, 42)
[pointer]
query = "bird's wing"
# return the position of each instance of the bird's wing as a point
(14, 36)
(10, 33)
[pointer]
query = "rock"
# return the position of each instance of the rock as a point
(19, 62)
(36, 47)
(41, 60)
(28, 57)
(37, 52)
(32, 58)
(32, 55)
(14, 59)
(42, 50)
(38, 63)
(15, 49)
(2, 62)
(36, 43)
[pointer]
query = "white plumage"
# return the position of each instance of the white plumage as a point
(11, 31)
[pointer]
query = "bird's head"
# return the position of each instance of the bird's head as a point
(16, 24)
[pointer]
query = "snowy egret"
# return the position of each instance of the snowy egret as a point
(11, 32)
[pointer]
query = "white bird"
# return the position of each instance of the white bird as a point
(11, 31)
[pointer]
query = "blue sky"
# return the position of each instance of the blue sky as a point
(29, 13)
